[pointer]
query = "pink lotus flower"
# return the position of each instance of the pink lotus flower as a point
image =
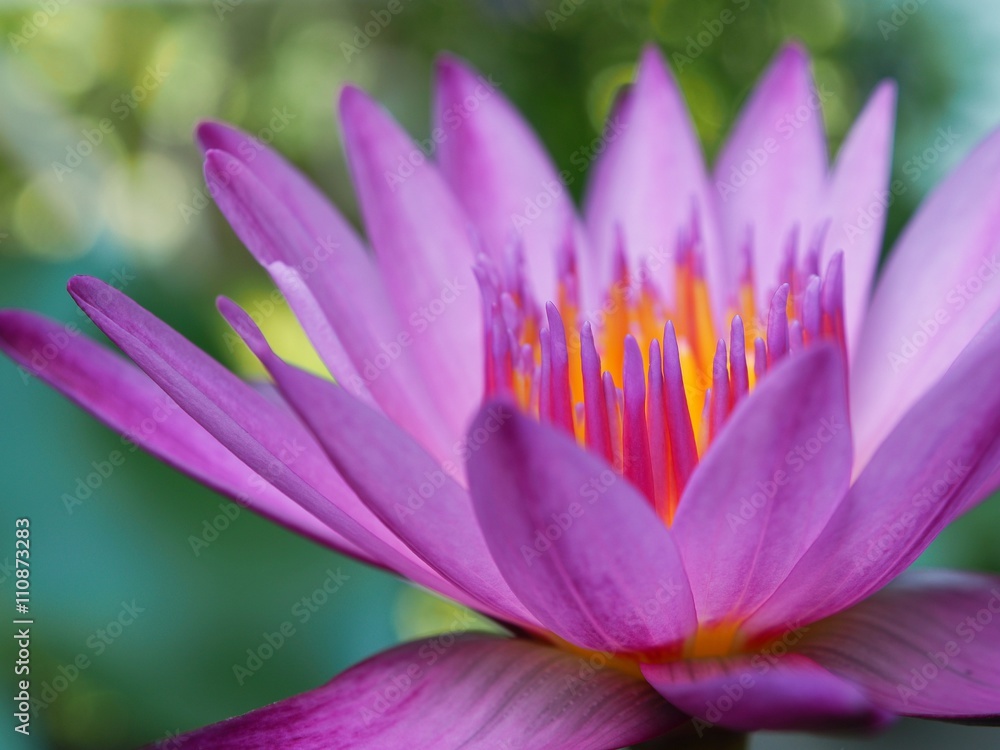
(700, 457)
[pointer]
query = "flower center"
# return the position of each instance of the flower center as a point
(647, 384)
(717, 640)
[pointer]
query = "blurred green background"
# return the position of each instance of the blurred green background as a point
(129, 203)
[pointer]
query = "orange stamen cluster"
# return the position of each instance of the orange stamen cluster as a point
(646, 382)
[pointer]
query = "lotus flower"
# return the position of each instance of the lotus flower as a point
(681, 450)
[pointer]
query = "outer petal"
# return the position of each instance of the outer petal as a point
(650, 181)
(400, 483)
(333, 286)
(767, 486)
(988, 487)
(580, 547)
(928, 645)
(450, 692)
(772, 169)
(769, 691)
(298, 195)
(928, 470)
(125, 399)
(327, 231)
(856, 201)
(421, 238)
(941, 284)
(265, 437)
(497, 168)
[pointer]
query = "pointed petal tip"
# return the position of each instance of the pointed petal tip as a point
(653, 75)
(244, 326)
(456, 78)
(651, 60)
(82, 287)
(879, 111)
(215, 134)
(886, 89)
(355, 102)
(789, 69)
(217, 162)
(793, 52)
(366, 124)
(452, 70)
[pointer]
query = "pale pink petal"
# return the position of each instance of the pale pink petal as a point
(302, 265)
(649, 183)
(581, 547)
(319, 217)
(335, 289)
(857, 201)
(767, 485)
(940, 285)
(421, 239)
(501, 174)
(771, 171)
(929, 469)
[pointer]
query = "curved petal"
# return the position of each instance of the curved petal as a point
(335, 290)
(928, 470)
(989, 486)
(498, 169)
(649, 182)
(456, 691)
(327, 234)
(939, 287)
(125, 399)
(264, 436)
(774, 690)
(771, 171)
(411, 493)
(857, 202)
(580, 546)
(927, 645)
(767, 486)
(297, 194)
(421, 240)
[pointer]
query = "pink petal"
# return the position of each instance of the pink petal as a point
(650, 180)
(335, 289)
(929, 469)
(122, 397)
(298, 195)
(774, 690)
(326, 233)
(927, 645)
(420, 236)
(580, 546)
(767, 485)
(456, 691)
(265, 437)
(500, 172)
(941, 284)
(771, 171)
(858, 199)
(408, 491)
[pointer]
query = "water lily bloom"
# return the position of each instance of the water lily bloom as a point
(683, 448)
